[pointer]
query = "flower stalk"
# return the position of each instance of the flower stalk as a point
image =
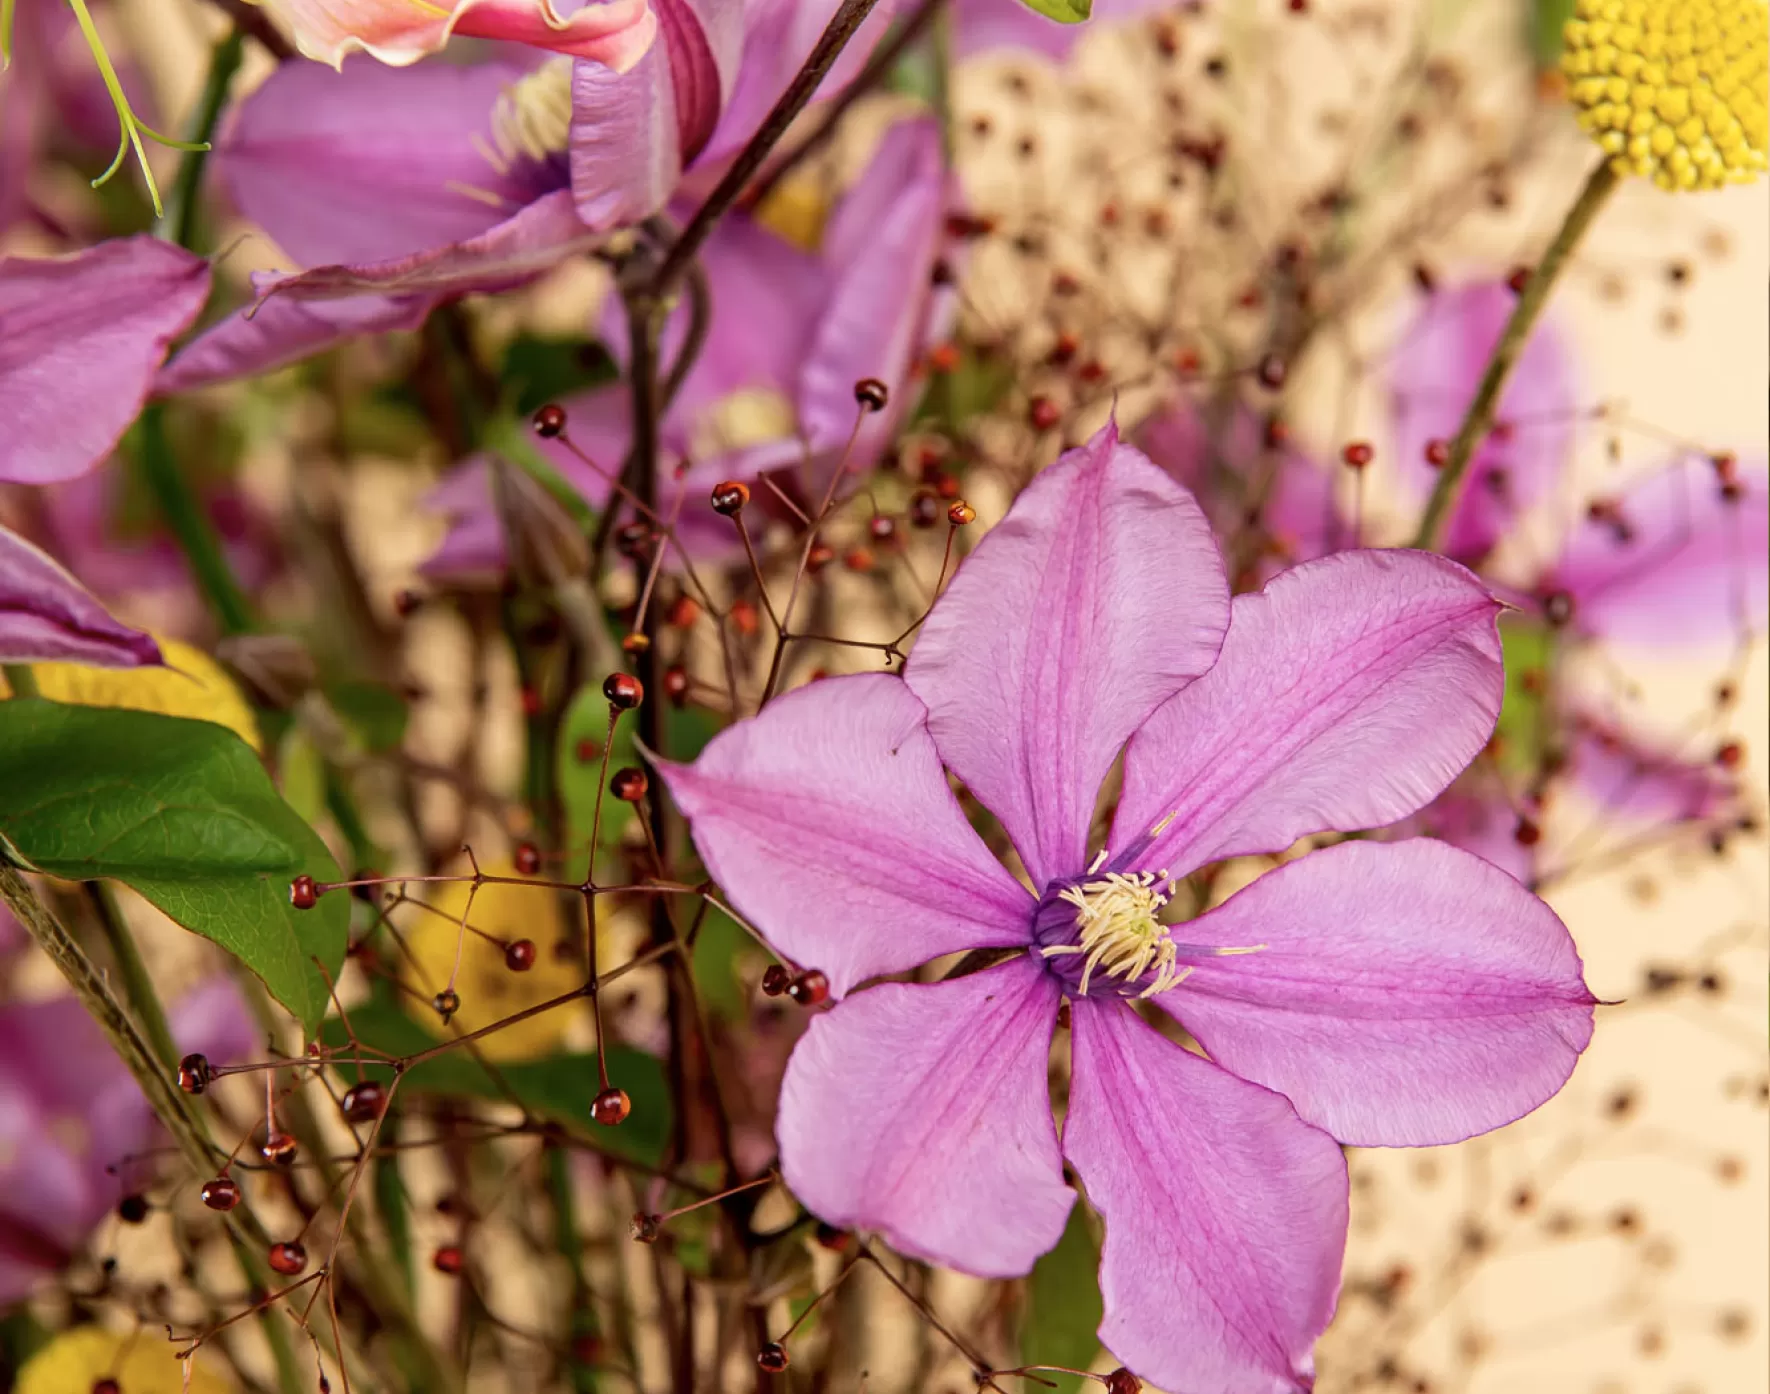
(1478, 419)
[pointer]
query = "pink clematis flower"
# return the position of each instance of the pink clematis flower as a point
(1397, 994)
(772, 388)
(617, 33)
(73, 1123)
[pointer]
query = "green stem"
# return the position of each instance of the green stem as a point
(190, 525)
(224, 62)
(1478, 420)
(138, 987)
(20, 679)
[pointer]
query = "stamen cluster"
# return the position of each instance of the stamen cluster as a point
(1121, 932)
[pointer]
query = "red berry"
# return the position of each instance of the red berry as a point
(1558, 608)
(1043, 413)
(1358, 454)
(1437, 453)
(809, 988)
(623, 690)
(288, 1258)
(222, 1193)
(629, 784)
(405, 602)
(447, 1260)
(834, 1239)
(303, 894)
(883, 527)
(871, 394)
(730, 497)
(1527, 833)
(684, 611)
(1122, 1381)
(610, 1107)
(773, 1358)
(531, 702)
(549, 421)
(775, 979)
(676, 684)
(194, 1074)
(528, 858)
(278, 1148)
(1729, 756)
(365, 1102)
(519, 955)
(107, 1385)
(820, 556)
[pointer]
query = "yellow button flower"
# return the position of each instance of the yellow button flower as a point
(1677, 91)
(192, 684)
(75, 1361)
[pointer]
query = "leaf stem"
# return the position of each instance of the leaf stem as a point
(195, 534)
(138, 987)
(1478, 419)
(224, 61)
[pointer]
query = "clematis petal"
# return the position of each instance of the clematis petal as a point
(1437, 366)
(282, 331)
(534, 240)
(1350, 692)
(80, 339)
(374, 163)
(880, 244)
(1225, 1212)
(1638, 776)
(922, 1110)
(45, 614)
(1092, 602)
(613, 32)
(1406, 993)
(1679, 559)
(1477, 816)
(828, 821)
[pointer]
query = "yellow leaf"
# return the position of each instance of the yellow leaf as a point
(144, 1363)
(192, 684)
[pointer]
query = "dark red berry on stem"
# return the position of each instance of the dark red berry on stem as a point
(1122, 1381)
(221, 1193)
(365, 1102)
(809, 988)
(132, 1209)
(549, 421)
(1518, 280)
(1043, 413)
(628, 784)
(1527, 833)
(834, 1239)
(447, 1003)
(528, 858)
(303, 893)
(961, 513)
(611, 1106)
(775, 980)
(623, 690)
(1437, 453)
(288, 1258)
(636, 642)
(277, 1148)
(1358, 454)
(447, 1260)
(519, 955)
(872, 394)
(1729, 756)
(194, 1074)
(676, 684)
(683, 612)
(634, 541)
(773, 1358)
(644, 1228)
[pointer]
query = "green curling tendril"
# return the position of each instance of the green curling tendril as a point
(133, 128)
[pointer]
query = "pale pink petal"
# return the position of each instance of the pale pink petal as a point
(1678, 558)
(1092, 602)
(626, 143)
(1400, 994)
(1350, 692)
(1225, 1212)
(279, 332)
(374, 163)
(828, 821)
(80, 340)
(46, 615)
(534, 240)
(1436, 369)
(922, 1111)
(613, 32)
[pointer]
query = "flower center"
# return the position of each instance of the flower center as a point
(533, 117)
(742, 418)
(1118, 929)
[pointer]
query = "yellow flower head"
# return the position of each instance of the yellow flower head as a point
(79, 1358)
(1677, 91)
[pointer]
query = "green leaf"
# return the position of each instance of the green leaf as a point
(560, 1087)
(375, 712)
(1063, 1304)
(582, 731)
(544, 370)
(1546, 23)
(182, 812)
(1063, 11)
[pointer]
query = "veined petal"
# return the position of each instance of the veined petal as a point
(880, 246)
(46, 615)
(827, 819)
(1678, 559)
(1225, 1212)
(921, 1110)
(613, 32)
(1350, 692)
(282, 331)
(1436, 369)
(1091, 603)
(80, 340)
(373, 163)
(1404, 994)
(535, 240)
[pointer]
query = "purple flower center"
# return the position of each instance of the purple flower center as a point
(1103, 932)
